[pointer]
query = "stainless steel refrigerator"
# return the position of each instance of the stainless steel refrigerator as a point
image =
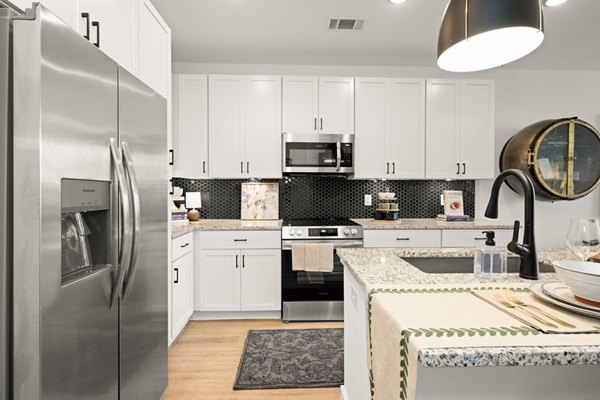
(83, 267)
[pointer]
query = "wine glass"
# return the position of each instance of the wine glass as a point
(583, 237)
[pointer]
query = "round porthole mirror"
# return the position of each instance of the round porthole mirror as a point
(562, 158)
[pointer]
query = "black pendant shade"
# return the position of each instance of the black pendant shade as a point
(481, 34)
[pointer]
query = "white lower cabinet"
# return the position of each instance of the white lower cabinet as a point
(181, 305)
(474, 237)
(403, 238)
(237, 271)
(239, 280)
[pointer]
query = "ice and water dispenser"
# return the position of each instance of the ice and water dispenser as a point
(86, 228)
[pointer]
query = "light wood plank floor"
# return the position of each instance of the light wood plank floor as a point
(203, 362)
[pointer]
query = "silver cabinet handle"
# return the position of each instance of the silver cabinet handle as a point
(402, 238)
(135, 199)
(125, 245)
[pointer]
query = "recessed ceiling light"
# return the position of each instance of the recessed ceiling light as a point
(400, 1)
(553, 3)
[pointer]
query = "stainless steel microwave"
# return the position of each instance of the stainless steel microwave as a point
(318, 153)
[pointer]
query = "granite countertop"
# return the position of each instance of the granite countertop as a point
(226, 225)
(385, 268)
(431, 223)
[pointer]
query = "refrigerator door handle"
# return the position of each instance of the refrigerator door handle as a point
(127, 233)
(135, 197)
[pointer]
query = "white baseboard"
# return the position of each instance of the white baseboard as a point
(217, 315)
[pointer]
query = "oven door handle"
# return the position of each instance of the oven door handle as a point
(342, 244)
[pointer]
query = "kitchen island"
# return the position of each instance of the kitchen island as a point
(566, 366)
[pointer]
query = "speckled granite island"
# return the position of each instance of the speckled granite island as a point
(534, 371)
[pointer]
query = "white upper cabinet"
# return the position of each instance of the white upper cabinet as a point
(263, 126)
(477, 131)
(318, 105)
(153, 44)
(108, 23)
(190, 133)
(390, 128)
(460, 129)
(336, 105)
(244, 126)
(226, 115)
(300, 104)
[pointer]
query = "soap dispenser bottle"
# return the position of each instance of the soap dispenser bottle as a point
(490, 260)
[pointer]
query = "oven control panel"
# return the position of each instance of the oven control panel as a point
(325, 232)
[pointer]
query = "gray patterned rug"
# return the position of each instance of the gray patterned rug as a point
(292, 358)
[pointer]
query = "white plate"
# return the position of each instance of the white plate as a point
(558, 291)
(536, 289)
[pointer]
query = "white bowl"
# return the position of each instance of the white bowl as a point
(583, 277)
(387, 196)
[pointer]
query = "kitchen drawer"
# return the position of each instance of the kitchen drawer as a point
(181, 246)
(402, 238)
(473, 237)
(215, 240)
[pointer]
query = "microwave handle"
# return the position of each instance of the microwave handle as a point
(338, 164)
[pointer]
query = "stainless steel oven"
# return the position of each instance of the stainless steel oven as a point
(318, 153)
(315, 296)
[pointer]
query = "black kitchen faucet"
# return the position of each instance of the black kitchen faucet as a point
(529, 268)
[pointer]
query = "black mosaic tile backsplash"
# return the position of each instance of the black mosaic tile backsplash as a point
(329, 197)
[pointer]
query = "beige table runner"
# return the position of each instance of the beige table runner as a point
(404, 321)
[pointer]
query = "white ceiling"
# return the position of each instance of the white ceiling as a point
(295, 32)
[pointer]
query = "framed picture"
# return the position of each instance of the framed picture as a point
(260, 200)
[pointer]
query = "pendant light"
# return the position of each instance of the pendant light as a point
(481, 34)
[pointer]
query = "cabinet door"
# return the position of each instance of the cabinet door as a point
(190, 137)
(477, 129)
(263, 127)
(443, 129)
(300, 104)
(473, 237)
(182, 292)
(372, 95)
(219, 281)
(336, 105)
(115, 30)
(153, 46)
(226, 116)
(261, 280)
(403, 238)
(405, 139)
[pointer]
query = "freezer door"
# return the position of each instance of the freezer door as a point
(143, 312)
(65, 113)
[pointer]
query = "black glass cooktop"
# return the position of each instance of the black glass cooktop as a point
(319, 222)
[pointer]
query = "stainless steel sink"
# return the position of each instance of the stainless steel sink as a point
(460, 265)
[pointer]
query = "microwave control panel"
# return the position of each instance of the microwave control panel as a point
(346, 154)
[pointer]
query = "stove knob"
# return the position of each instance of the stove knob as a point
(346, 231)
(292, 232)
(298, 232)
(353, 231)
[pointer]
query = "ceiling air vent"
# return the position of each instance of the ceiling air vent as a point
(346, 24)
